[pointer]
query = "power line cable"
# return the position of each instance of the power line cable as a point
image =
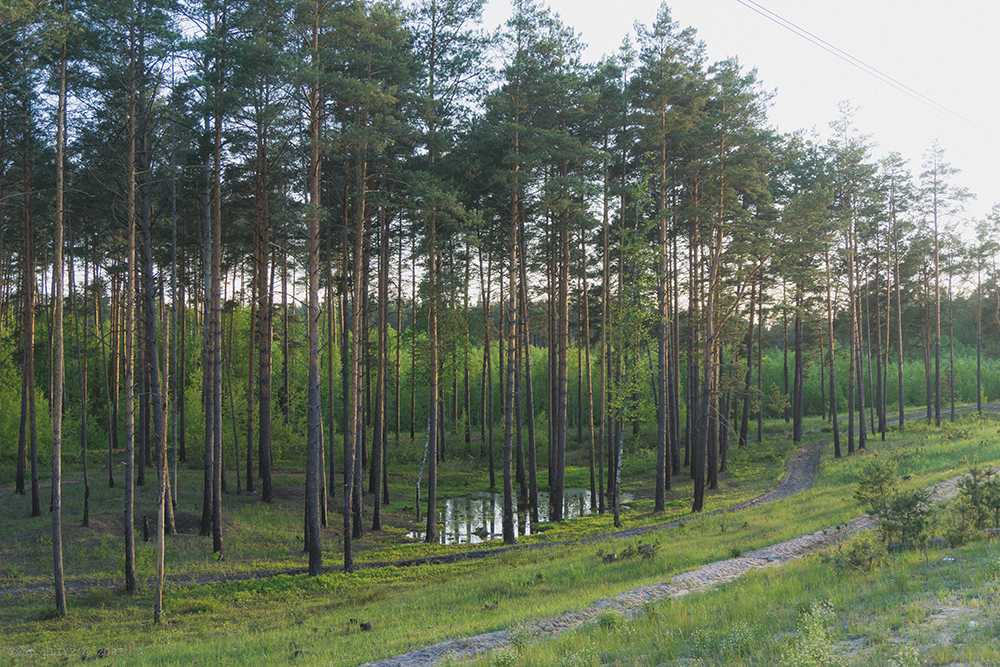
(858, 63)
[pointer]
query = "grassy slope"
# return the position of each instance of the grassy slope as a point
(937, 608)
(268, 621)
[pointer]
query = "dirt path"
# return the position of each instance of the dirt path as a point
(800, 472)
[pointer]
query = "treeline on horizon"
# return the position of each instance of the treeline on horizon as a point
(262, 180)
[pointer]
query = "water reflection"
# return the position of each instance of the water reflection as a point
(480, 518)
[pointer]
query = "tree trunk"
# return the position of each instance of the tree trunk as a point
(131, 583)
(509, 536)
(107, 380)
(182, 382)
(899, 327)
(349, 379)
(58, 371)
(433, 397)
(27, 434)
(525, 324)
(831, 344)
(208, 450)
(589, 378)
(488, 364)
(379, 441)
(662, 329)
(82, 368)
(413, 345)
(745, 418)
(466, 386)
(398, 373)
(799, 379)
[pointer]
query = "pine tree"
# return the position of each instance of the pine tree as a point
(449, 50)
(58, 373)
(940, 200)
(668, 91)
(735, 171)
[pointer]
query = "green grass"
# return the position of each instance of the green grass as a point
(912, 612)
(272, 620)
(918, 610)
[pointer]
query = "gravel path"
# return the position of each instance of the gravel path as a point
(800, 473)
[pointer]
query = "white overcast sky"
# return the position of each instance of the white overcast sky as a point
(948, 52)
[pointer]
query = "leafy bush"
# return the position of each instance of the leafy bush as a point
(506, 658)
(972, 492)
(584, 658)
(701, 642)
(904, 516)
(10, 575)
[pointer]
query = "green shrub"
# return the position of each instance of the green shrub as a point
(992, 500)
(506, 658)
(979, 498)
(954, 431)
(644, 551)
(877, 482)
(584, 658)
(954, 527)
(975, 508)
(865, 552)
(10, 574)
(906, 517)
(973, 490)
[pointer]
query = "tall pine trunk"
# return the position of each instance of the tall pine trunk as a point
(131, 582)
(831, 344)
(58, 371)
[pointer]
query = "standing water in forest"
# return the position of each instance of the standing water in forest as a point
(480, 517)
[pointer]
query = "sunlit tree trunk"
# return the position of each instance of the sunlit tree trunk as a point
(314, 470)
(58, 371)
(831, 341)
(27, 434)
(131, 583)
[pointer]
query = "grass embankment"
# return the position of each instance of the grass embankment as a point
(921, 608)
(912, 612)
(317, 621)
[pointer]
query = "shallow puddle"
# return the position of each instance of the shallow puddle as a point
(480, 517)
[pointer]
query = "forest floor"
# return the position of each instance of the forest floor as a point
(25, 584)
(266, 541)
(800, 470)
